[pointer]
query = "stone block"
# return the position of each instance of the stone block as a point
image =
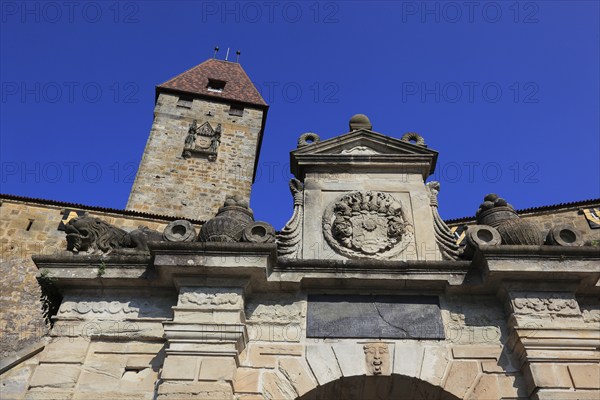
(477, 351)
(585, 376)
(246, 380)
(144, 347)
(486, 389)
(180, 368)
(49, 394)
(512, 386)
(460, 377)
(434, 364)
(561, 394)
(298, 374)
(271, 332)
(194, 391)
(65, 350)
(546, 375)
(139, 362)
(101, 373)
(265, 356)
(126, 348)
(408, 358)
(141, 381)
(276, 387)
(55, 376)
(217, 369)
(14, 382)
(323, 363)
(491, 367)
(350, 357)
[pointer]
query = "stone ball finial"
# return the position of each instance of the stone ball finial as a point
(360, 121)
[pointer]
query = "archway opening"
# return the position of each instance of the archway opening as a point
(394, 387)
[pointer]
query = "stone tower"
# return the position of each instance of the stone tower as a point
(204, 143)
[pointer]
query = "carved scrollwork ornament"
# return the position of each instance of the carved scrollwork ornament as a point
(179, 231)
(289, 240)
(552, 304)
(308, 138)
(367, 225)
(413, 137)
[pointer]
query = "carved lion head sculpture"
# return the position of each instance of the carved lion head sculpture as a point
(93, 236)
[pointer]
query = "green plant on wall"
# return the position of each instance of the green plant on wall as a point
(50, 296)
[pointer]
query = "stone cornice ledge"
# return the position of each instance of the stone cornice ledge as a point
(98, 270)
(540, 264)
(372, 273)
(213, 260)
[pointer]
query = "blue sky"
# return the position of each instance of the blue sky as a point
(507, 92)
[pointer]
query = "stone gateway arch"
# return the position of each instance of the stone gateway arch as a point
(365, 294)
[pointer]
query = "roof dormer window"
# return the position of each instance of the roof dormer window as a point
(215, 85)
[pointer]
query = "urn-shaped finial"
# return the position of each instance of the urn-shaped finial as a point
(229, 223)
(497, 213)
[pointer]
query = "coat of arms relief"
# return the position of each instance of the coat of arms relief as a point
(202, 140)
(367, 225)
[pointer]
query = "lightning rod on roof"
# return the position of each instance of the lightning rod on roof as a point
(216, 51)
(237, 58)
(227, 55)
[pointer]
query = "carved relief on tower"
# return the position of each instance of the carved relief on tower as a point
(367, 225)
(202, 140)
(377, 358)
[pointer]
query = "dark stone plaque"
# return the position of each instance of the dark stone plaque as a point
(374, 317)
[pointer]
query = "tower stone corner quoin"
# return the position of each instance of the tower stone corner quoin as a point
(366, 292)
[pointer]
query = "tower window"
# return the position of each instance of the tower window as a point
(215, 85)
(185, 102)
(238, 111)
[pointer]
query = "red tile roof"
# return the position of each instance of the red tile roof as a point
(238, 86)
(534, 210)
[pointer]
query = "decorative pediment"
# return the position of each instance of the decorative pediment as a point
(363, 148)
(364, 142)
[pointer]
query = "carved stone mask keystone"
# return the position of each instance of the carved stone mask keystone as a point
(377, 357)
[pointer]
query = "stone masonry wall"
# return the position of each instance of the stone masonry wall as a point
(279, 361)
(195, 188)
(570, 217)
(21, 319)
